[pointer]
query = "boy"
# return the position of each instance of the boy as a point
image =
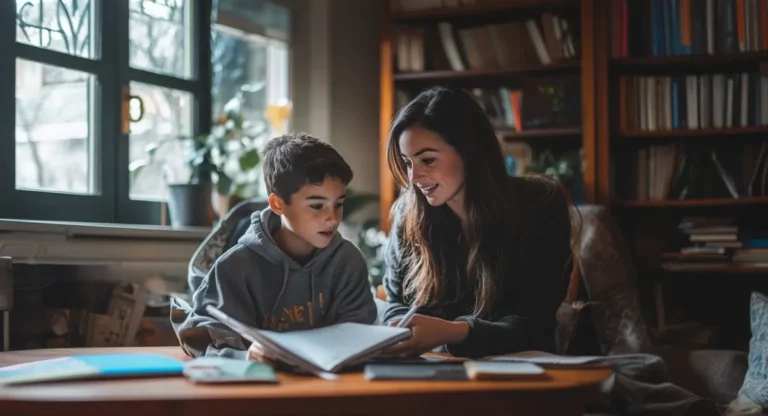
(290, 270)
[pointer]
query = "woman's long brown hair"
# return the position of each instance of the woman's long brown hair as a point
(458, 118)
(460, 121)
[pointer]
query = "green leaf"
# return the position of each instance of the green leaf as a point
(354, 202)
(137, 166)
(240, 190)
(249, 160)
(151, 148)
(223, 183)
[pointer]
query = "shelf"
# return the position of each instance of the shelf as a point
(736, 131)
(428, 76)
(568, 132)
(698, 63)
(728, 268)
(481, 9)
(693, 202)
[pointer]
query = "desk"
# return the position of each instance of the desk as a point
(565, 393)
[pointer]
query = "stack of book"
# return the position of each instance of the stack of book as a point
(711, 242)
(716, 243)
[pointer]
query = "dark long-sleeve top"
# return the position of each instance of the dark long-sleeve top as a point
(538, 254)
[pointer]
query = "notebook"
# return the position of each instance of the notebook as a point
(91, 366)
(320, 351)
(443, 371)
(221, 370)
(550, 360)
(503, 370)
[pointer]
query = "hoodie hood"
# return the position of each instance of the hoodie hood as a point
(259, 238)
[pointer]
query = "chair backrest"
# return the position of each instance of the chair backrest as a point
(223, 237)
(606, 269)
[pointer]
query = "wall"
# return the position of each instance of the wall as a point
(336, 79)
(355, 87)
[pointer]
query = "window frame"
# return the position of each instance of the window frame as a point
(113, 73)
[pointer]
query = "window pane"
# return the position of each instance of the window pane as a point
(60, 25)
(260, 16)
(250, 77)
(167, 118)
(161, 36)
(239, 73)
(54, 145)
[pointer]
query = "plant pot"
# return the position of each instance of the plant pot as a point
(190, 204)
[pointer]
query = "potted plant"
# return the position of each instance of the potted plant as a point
(565, 167)
(223, 170)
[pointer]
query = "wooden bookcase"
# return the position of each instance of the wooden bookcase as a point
(611, 140)
(625, 137)
(477, 13)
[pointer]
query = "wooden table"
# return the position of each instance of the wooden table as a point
(564, 393)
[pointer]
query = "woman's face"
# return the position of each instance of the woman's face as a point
(435, 168)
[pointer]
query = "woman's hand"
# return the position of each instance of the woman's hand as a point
(256, 353)
(428, 333)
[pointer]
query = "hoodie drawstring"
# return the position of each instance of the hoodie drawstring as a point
(312, 286)
(282, 290)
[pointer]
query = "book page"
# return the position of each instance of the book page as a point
(333, 346)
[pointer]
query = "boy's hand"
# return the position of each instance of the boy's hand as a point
(256, 353)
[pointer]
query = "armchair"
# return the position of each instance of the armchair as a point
(606, 270)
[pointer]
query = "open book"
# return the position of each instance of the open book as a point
(320, 351)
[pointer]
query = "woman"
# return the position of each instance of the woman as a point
(483, 255)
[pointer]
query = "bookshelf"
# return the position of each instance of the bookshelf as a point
(682, 134)
(712, 202)
(759, 131)
(693, 75)
(495, 50)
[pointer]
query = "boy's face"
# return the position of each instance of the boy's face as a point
(315, 211)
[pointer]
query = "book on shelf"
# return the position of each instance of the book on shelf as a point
(659, 28)
(413, 5)
(712, 242)
(446, 46)
(537, 103)
(691, 102)
(698, 171)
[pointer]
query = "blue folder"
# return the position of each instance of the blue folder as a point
(92, 366)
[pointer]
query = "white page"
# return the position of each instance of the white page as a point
(543, 358)
(330, 346)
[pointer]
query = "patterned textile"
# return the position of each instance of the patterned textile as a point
(755, 385)
(218, 240)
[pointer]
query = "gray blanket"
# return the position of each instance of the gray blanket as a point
(640, 386)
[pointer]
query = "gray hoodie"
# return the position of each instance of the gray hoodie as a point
(256, 283)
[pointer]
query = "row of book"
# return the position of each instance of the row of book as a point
(712, 242)
(485, 47)
(410, 5)
(536, 103)
(694, 171)
(655, 28)
(694, 101)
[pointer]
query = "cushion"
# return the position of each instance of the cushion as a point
(755, 386)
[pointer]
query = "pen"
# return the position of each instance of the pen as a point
(407, 318)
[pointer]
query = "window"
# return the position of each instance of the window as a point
(78, 67)
(250, 51)
(98, 81)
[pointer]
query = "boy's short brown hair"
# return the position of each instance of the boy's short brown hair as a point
(297, 159)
